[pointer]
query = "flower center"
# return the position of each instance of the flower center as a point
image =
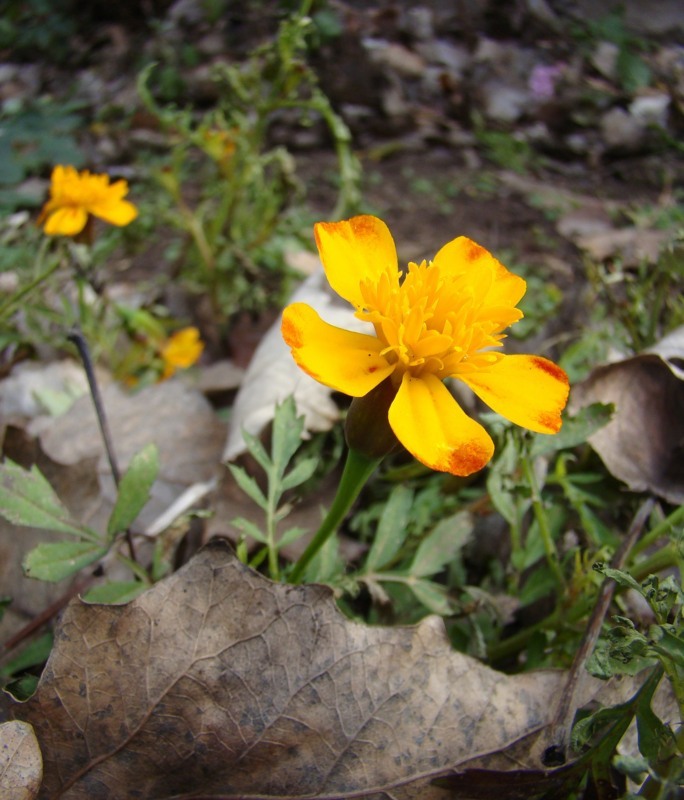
(436, 321)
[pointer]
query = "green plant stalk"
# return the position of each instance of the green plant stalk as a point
(661, 529)
(543, 522)
(17, 298)
(357, 470)
(667, 557)
(271, 539)
(660, 560)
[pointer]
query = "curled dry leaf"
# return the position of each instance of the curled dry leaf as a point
(219, 683)
(176, 418)
(643, 445)
(21, 765)
(273, 375)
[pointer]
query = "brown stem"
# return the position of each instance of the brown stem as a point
(81, 344)
(48, 613)
(565, 713)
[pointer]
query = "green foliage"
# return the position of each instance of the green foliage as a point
(393, 560)
(27, 499)
(662, 757)
(34, 137)
(46, 27)
(134, 490)
(247, 201)
(627, 650)
(639, 300)
(286, 438)
(632, 71)
(504, 148)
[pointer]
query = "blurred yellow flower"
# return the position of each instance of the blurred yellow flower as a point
(441, 320)
(74, 196)
(181, 351)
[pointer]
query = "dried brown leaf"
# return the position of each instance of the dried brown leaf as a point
(176, 418)
(218, 683)
(643, 445)
(21, 765)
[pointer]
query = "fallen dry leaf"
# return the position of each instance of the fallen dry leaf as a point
(21, 765)
(633, 246)
(643, 445)
(172, 415)
(218, 683)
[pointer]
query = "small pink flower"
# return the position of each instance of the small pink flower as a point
(542, 82)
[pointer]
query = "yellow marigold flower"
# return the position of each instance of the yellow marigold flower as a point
(76, 195)
(181, 350)
(440, 321)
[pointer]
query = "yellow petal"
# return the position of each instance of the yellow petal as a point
(183, 348)
(528, 390)
(343, 360)
(463, 255)
(355, 250)
(434, 428)
(66, 221)
(116, 212)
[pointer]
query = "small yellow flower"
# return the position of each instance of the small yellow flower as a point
(440, 321)
(181, 351)
(74, 196)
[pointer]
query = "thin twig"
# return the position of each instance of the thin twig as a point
(76, 336)
(563, 718)
(48, 613)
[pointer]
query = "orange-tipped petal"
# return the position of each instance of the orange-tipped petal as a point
(528, 390)
(463, 255)
(431, 425)
(347, 361)
(356, 250)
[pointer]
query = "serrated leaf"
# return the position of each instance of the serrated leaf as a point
(287, 434)
(432, 595)
(442, 544)
(54, 561)
(504, 500)
(667, 644)
(326, 564)
(251, 529)
(291, 535)
(576, 429)
(656, 739)
(26, 498)
(620, 577)
(248, 485)
(301, 472)
(392, 529)
(257, 451)
(134, 489)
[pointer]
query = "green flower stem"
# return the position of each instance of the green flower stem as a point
(543, 522)
(17, 298)
(357, 471)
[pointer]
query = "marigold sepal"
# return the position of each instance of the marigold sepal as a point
(367, 427)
